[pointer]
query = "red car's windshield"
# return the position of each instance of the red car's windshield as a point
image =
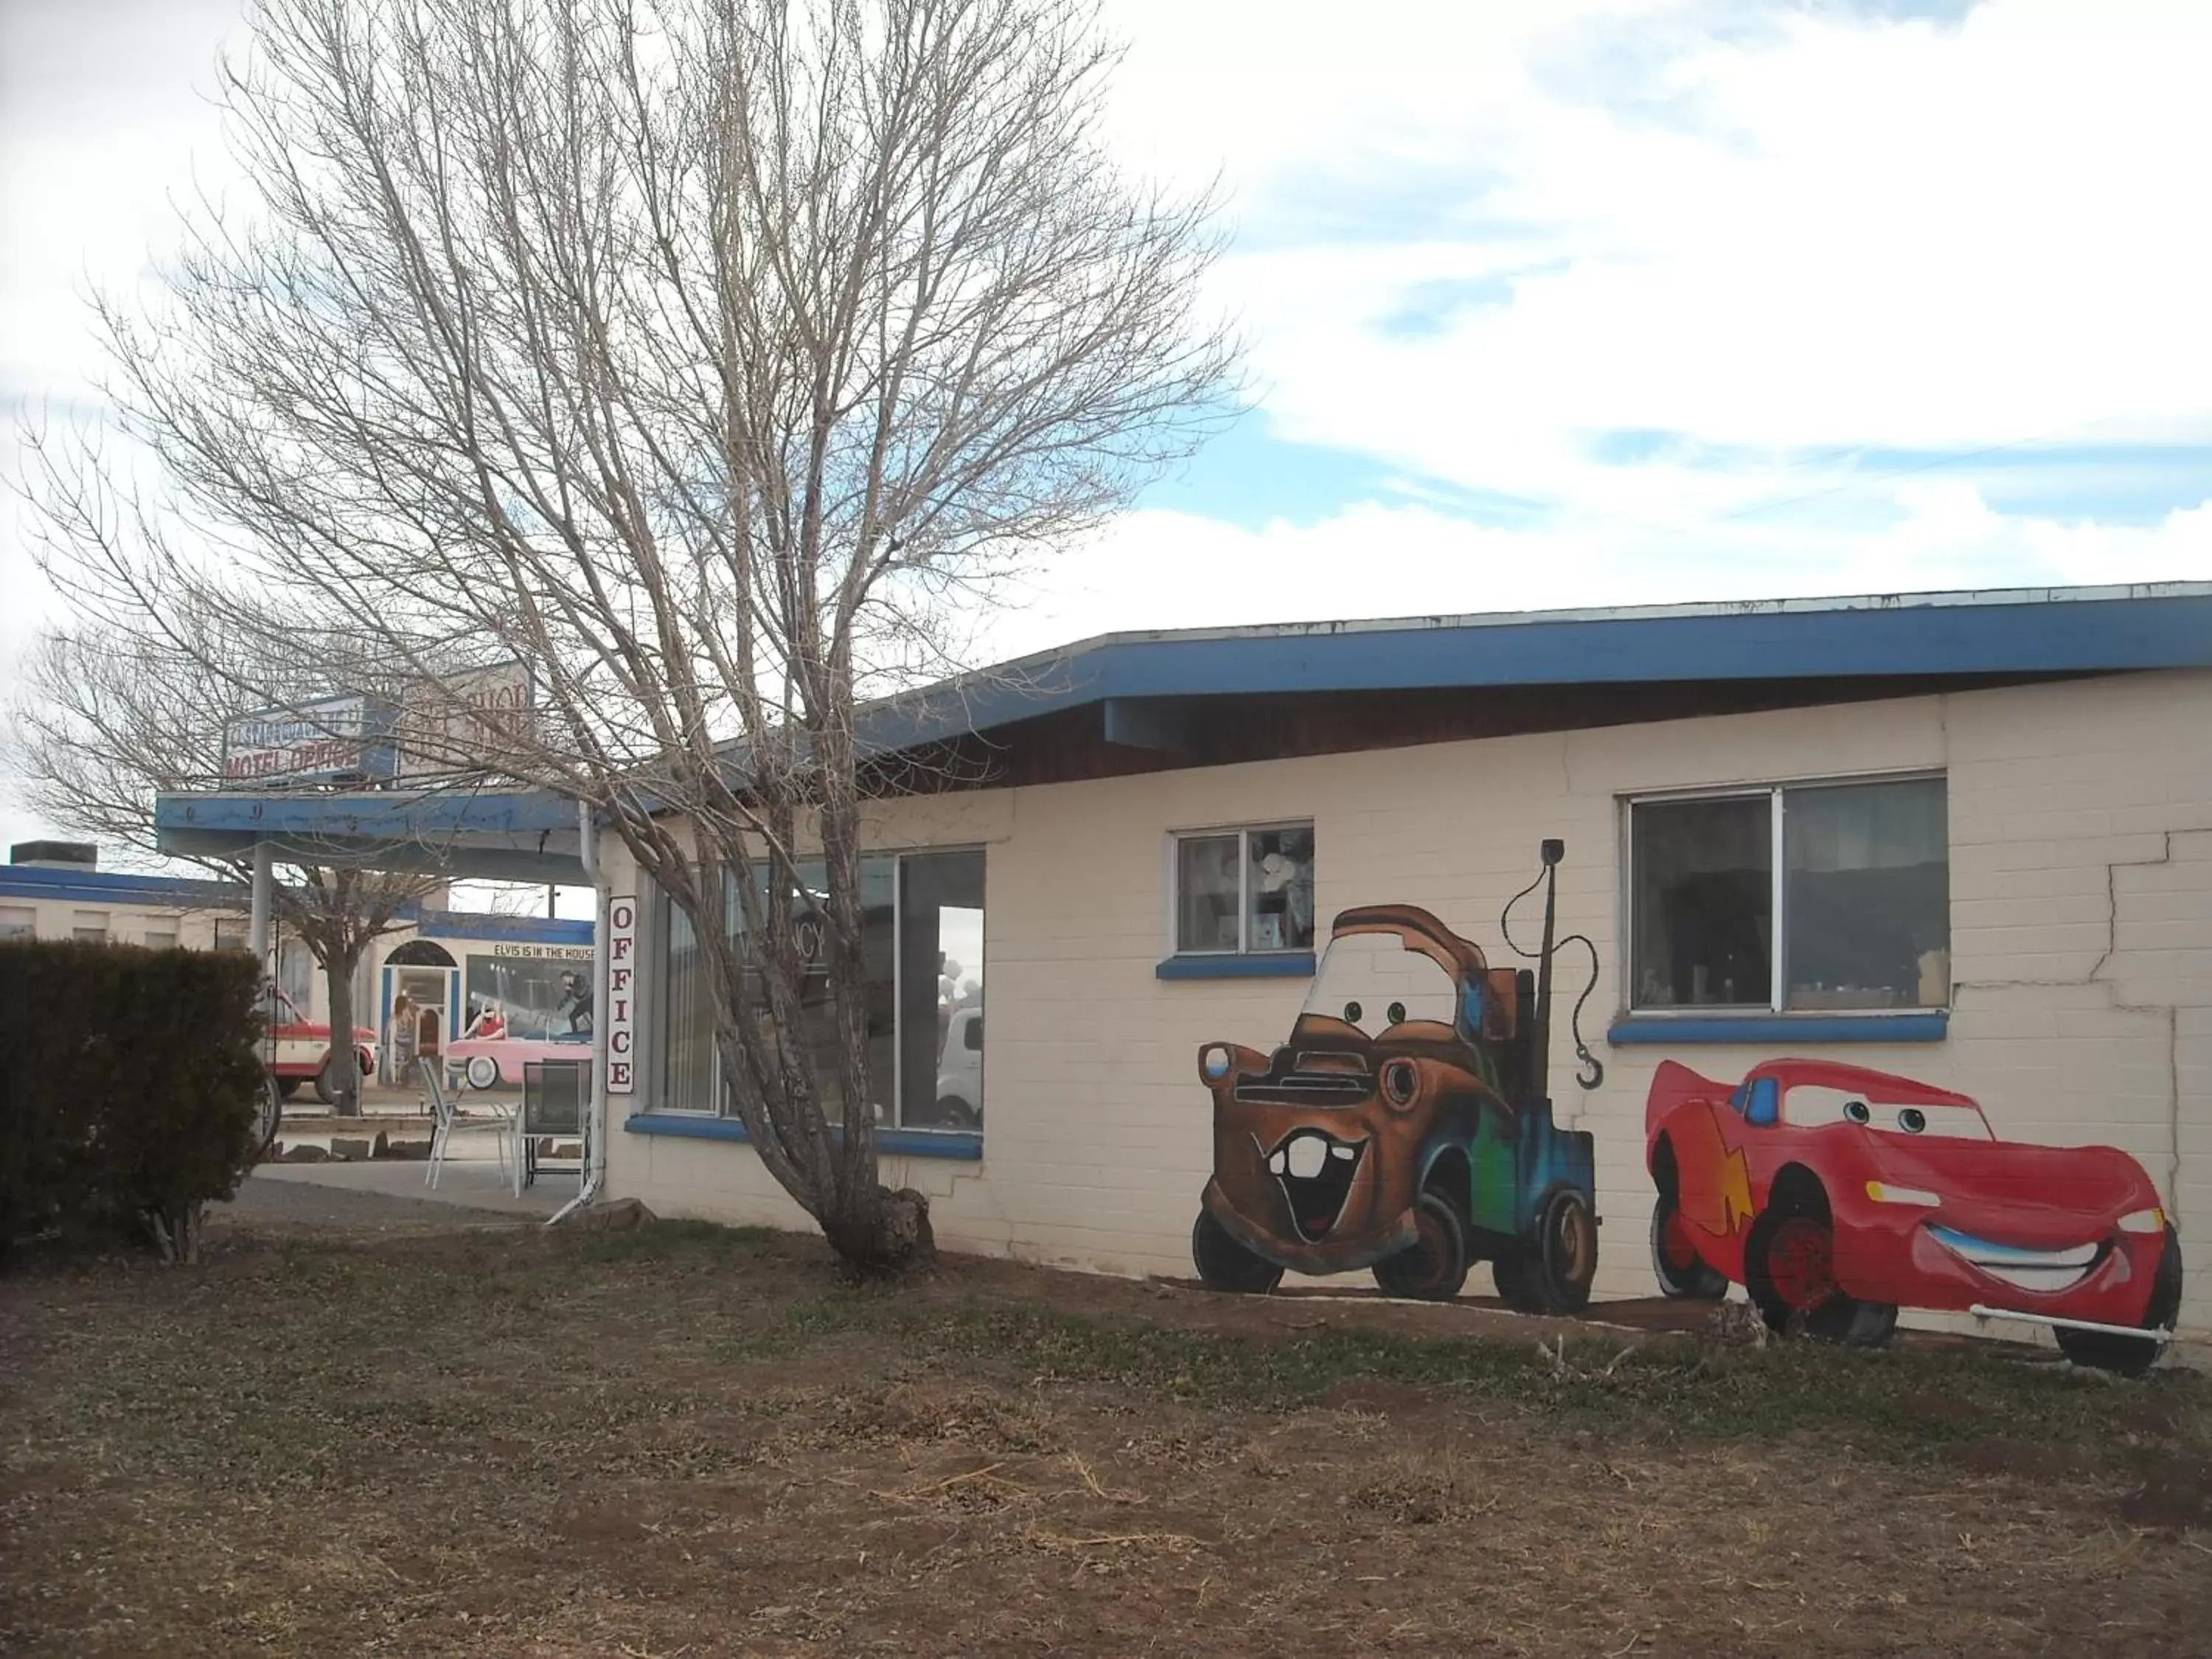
(1812, 1106)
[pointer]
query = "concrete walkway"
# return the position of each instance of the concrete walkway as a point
(470, 1183)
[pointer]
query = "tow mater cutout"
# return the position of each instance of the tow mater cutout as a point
(1403, 1128)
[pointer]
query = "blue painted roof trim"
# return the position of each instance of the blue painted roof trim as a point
(1769, 1030)
(404, 815)
(2041, 635)
(962, 1144)
(521, 930)
(1288, 964)
(113, 887)
(2056, 632)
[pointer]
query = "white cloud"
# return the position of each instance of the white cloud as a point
(1768, 228)
(1842, 234)
(1155, 570)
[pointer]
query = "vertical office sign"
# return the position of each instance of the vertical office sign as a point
(621, 994)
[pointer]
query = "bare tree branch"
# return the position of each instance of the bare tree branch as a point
(716, 359)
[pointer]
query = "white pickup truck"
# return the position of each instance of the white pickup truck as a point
(298, 1050)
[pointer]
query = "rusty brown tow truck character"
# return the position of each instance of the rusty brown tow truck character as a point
(1403, 1127)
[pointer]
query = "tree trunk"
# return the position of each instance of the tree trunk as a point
(345, 1069)
(890, 1235)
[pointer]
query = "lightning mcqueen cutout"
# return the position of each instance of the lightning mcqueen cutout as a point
(1835, 1196)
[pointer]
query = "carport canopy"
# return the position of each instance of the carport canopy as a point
(468, 834)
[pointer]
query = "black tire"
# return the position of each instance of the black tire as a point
(1857, 1324)
(1223, 1264)
(268, 1119)
(481, 1072)
(1563, 1260)
(1510, 1273)
(2131, 1356)
(955, 1113)
(286, 1086)
(1691, 1281)
(1788, 1261)
(1433, 1267)
(1787, 1299)
(327, 1082)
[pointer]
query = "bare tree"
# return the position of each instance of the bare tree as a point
(716, 358)
(115, 709)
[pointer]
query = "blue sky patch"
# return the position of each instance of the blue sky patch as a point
(2107, 483)
(1250, 478)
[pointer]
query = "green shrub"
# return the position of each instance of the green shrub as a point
(130, 1082)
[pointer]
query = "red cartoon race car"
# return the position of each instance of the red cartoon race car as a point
(1835, 1196)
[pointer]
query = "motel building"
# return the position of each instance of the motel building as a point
(441, 969)
(1884, 992)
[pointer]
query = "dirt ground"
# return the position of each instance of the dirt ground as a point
(363, 1430)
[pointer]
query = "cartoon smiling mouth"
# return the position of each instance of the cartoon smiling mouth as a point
(2043, 1272)
(1315, 1170)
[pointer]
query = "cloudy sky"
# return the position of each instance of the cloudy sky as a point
(1549, 302)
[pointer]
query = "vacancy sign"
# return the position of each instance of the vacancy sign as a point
(621, 994)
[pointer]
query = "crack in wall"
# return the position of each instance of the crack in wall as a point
(2168, 1013)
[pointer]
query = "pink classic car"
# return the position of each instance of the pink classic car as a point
(488, 1062)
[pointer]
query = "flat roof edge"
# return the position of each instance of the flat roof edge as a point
(1977, 598)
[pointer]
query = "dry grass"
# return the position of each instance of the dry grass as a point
(694, 1443)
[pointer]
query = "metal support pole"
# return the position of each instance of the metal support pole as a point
(264, 887)
(595, 1118)
(2149, 1333)
(1539, 1065)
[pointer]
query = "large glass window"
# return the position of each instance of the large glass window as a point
(1248, 891)
(921, 941)
(940, 1003)
(807, 902)
(686, 1014)
(1704, 881)
(1806, 898)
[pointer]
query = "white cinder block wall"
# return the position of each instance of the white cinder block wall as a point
(2081, 823)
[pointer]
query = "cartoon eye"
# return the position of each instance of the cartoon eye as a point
(1858, 1111)
(1352, 1013)
(1397, 1012)
(1912, 1120)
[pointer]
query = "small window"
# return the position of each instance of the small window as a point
(18, 922)
(1245, 891)
(230, 934)
(1814, 898)
(89, 926)
(160, 939)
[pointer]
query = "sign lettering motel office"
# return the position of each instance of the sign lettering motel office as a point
(453, 726)
(622, 993)
(339, 737)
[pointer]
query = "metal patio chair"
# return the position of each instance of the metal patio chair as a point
(553, 1093)
(446, 1122)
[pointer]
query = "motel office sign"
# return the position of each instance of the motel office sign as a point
(449, 728)
(622, 993)
(327, 741)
